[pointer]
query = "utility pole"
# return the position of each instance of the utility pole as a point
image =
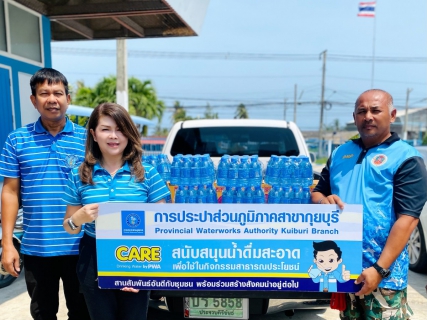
(322, 101)
(295, 104)
(285, 104)
(405, 124)
(122, 74)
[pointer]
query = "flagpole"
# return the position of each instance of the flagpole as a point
(373, 48)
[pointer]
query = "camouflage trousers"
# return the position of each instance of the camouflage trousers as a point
(381, 304)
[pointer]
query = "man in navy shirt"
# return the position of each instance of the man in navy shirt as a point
(388, 177)
(35, 162)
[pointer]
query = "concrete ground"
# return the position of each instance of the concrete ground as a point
(14, 305)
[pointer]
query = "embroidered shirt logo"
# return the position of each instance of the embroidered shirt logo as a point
(348, 156)
(379, 160)
(71, 161)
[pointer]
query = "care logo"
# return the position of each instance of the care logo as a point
(133, 223)
(379, 160)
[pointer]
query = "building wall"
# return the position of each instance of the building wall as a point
(17, 64)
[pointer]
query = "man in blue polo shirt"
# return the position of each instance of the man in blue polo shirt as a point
(388, 177)
(35, 163)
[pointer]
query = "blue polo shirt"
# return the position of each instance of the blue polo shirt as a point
(387, 179)
(120, 188)
(42, 163)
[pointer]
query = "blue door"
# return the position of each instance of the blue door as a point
(6, 119)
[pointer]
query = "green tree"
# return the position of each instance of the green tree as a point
(334, 126)
(179, 114)
(161, 132)
(209, 114)
(241, 112)
(143, 99)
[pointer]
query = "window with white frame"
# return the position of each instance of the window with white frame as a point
(20, 31)
(3, 41)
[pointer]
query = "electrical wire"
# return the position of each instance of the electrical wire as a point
(233, 56)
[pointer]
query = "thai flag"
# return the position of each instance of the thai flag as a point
(367, 9)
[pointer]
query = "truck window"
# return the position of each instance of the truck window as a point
(218, 141)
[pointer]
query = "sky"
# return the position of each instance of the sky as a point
(255, 52)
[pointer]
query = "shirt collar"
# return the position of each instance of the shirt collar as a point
(98, 167)
(393, 138)
(68, 128)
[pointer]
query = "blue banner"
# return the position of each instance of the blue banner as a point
(229, 247)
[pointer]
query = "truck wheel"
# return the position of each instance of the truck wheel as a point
(175, 304)
(6, 280)
(417, 250)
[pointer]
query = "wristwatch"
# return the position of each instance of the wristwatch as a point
(384, 273)
(72, 225)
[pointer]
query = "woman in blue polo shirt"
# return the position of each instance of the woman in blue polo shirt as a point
(112, 171)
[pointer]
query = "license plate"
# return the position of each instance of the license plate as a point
(216, 308)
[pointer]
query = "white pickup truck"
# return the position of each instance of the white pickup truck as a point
(217, 137)
(236, 137)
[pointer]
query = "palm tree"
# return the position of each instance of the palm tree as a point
(241, 112)
(161, 132)
(143, 99)
(209, 114)
(179, 114)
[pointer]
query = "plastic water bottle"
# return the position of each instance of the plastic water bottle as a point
(180, 195)
(227, 195)
(185, 170)
(205, 171)
(211, 194)
(222, 171)
(201, 194)
(286, 174)
(233, 171)
(296, 194)
(255, 172)
(296, 172)
(164, 167)
(176, 170)
(195, 170)
(238, 195)
(192, 194)
(306, 172)
(306, 196)
(211, 167)
(260, 166)
(248, 195)
(275, 195)
(152, 160)
(258, 195)
(287, 195)
(273, 171)
(267, 172)
(244, 171)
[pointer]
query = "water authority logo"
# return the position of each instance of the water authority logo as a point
(133, 220)
(379, 160)
(133, 223)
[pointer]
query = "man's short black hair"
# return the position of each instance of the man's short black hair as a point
(325, 246)
(51, 76)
